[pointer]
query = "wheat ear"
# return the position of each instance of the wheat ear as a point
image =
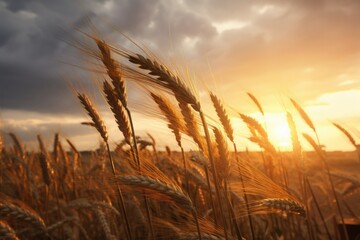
(19, 148)
(46, 170)
(73, 148)
(223, 166)
(294, 135)
(225, 121)
(346, 133)
(113, 70)
(98, 123)
(166, 79)
(23, 214)
(166, 191)
(254, 126)
(104, 224)
(151, 184)
(224, 118)
(191, 125)
(56, 147)
(257, 103)
(119, 112)
(350, 137)
(1, 142)
(303, 114)
(174, 122)
(284, 205)
(100, 126)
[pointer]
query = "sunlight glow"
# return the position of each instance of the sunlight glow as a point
(280, 135)
(278, 130)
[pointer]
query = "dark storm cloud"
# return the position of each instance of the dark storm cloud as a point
(30, 54)
(301, 46)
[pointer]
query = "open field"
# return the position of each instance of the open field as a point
(135, 191)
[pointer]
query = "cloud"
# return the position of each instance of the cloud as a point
(297, 48)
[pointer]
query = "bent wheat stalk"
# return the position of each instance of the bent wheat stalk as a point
(194, 236)
(175, 125)
(13, 212)
(6, 232)
(225, 121)
(119, 92)
(349, 137)
(18, 147)
(284, 205)
(100, 126)
(160, 75)
(161, 191)
(319, 152)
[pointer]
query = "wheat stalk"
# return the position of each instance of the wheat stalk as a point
(346, 133)
(98, 123)
(24, 214)
(73, 148)
(294, 135)
(322, 157)
(104, 224)
(65, 157)
(223, 170)
(257, 103)
(353, 179)
(166, 79)
(6, 232)
(191, 125)
(124, 121)
(60, 223)
(114, 71)
(19, 148)
(224, 118)
(100, 126)
(46, 170)
(195, 236)
(1, 142)
(119, 112)
(175, 123)
(225, 121)
(160, 75)
(350, 137)
(56, 147)
(254, 126)
(223, 166)
(303, 114)
(161, 191)
(150, 185)
(283, 205)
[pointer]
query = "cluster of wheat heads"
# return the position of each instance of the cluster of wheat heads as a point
(137, 192)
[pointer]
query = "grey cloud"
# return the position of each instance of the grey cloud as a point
(301, 35)
(16, 5)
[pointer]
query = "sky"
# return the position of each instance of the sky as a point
(305, 49)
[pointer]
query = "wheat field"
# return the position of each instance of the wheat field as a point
(136, 191)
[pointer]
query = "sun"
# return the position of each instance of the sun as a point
(279, 134)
